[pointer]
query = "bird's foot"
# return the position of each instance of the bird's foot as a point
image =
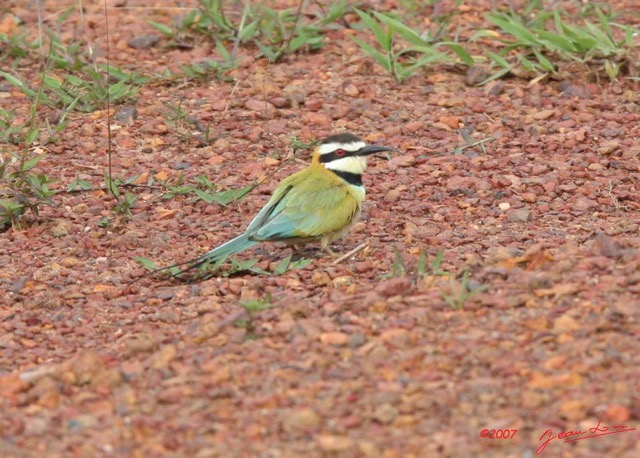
(330, 252)
(300, 251)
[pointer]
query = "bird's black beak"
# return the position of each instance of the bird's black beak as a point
(373, 149)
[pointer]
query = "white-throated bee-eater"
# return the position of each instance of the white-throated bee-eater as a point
(320, 203)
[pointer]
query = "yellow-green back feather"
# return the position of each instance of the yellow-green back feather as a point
(310, 203)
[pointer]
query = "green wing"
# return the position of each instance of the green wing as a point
(305, 205)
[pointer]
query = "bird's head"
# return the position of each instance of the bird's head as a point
(346, 153)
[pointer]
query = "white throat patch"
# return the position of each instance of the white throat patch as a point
(352, 164)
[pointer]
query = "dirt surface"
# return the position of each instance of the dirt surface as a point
(349, 361)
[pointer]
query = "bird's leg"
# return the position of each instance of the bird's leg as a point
(330, 252)
(324, 244)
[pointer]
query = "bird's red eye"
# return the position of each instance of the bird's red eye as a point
(339, 152)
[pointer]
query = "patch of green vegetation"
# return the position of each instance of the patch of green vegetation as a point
(541, 41)
(14, 47)
(211, 67)
(36, 129)
(273, 32)
(252, 307)
(403, 50)
(124, 202)
(22, 187)
(400, 268)
(84, 90)
(460, 290)
(124, 205)
(205, 189)
(183, 124)
(455, 291)
(15, 133)
(278, 33)
(68, 80)
(79, 185)
(531, 42)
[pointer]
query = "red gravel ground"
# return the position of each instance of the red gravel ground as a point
(349, 361)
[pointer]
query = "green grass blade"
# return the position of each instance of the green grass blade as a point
(282, 266)
(544, 62)
(604, 21)
(374, 53)
(31, 163)
(383, 38)
(497, 75)
(404, 31)
(146, 263)
(17, 82)
(268, 52)
(556, 42)
(459, 51)
(498, 59)
(249, 31)
(163, 28)
(513, 28)
(241, 266)
(300, 263)
(526, 63)
(336, 11)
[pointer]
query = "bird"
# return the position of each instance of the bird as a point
(319, 203)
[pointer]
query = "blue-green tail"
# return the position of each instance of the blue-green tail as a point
(225, 250)
(222, 252)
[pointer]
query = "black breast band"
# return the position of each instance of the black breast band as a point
(351, 178)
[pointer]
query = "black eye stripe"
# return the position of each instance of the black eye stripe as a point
(332, 156)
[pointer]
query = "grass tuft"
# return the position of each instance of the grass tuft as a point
(455, 290)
